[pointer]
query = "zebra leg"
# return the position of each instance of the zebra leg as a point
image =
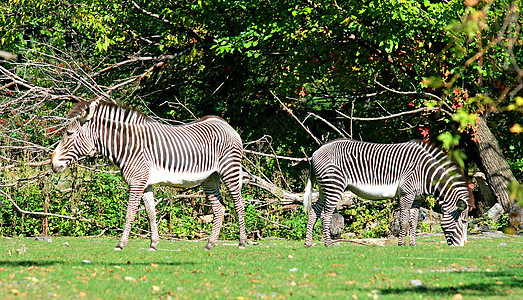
(331, 190)
(239, 206)
(132, 208)
(233, 184)
(211, 188)
(148, 199)
(413, 224)
(405, 205)
(314, 213)
(326, 217)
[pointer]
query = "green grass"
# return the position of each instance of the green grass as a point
(485, 268)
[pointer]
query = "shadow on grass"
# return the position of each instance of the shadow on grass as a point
(505, 281)
(44, 263)
(28, 263)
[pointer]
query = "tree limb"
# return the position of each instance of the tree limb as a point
(292, 114)
(423, 109)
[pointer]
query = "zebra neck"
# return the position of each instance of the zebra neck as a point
(118, 142)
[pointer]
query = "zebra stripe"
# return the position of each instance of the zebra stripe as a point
(381, 171)
(199, 153)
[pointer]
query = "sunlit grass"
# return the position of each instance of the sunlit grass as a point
(88, 268)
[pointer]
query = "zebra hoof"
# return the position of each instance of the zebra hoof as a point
(151, 249)
(117, 248)
(208, 247)
(309, 245)
(241, 246)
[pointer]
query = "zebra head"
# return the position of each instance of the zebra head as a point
(78, 139)
(455, 219)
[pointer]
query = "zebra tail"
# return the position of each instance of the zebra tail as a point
(307, 196)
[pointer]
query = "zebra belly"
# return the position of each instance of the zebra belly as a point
(374, 191)
(177, 179)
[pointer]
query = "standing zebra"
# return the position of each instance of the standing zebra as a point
(381, 171)
(149, 152)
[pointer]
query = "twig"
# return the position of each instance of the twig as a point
(23, 211)
(343, 134)
(275, 156)
(408, 92)
(37, 176)
(423, 109)
(290, 112)
(30, 164)
(270, 221)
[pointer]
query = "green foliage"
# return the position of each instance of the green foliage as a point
(369, 219)
(185, 59)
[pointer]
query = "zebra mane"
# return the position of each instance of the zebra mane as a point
(78, 109)
(121, 113)
(441, 155)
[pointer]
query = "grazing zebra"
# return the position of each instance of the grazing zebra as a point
(381, 171)
(149, 152)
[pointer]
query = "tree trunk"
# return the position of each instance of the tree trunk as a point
(486, 154)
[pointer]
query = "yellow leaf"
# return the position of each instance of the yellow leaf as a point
(457, 297)
(516, 128)
(82, 294)
(14, 292)
(156, 288)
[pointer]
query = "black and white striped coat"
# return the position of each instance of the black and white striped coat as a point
(148, 153)
(381, 171)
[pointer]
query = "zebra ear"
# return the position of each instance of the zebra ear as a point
(461, 205)
(88, 113)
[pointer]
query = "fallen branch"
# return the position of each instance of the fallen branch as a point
(287, 197)
(366, 242)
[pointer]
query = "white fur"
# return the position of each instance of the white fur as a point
(184, 180)
(375, 192)
(307, 196)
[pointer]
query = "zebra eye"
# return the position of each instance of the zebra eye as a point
(461, 205)
(69, 133)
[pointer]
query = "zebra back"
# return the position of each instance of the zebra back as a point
(427, 167)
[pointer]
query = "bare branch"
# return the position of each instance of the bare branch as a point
(423, 109)
(23, 211)
(290, 112)
(30, 164)
(406, 93)
(275, 223)
(276, 156)
(343, 134)
(163, 19)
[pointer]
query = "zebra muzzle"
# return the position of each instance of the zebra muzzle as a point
(58, 168)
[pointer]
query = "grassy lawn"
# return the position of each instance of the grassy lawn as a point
(75, 268)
